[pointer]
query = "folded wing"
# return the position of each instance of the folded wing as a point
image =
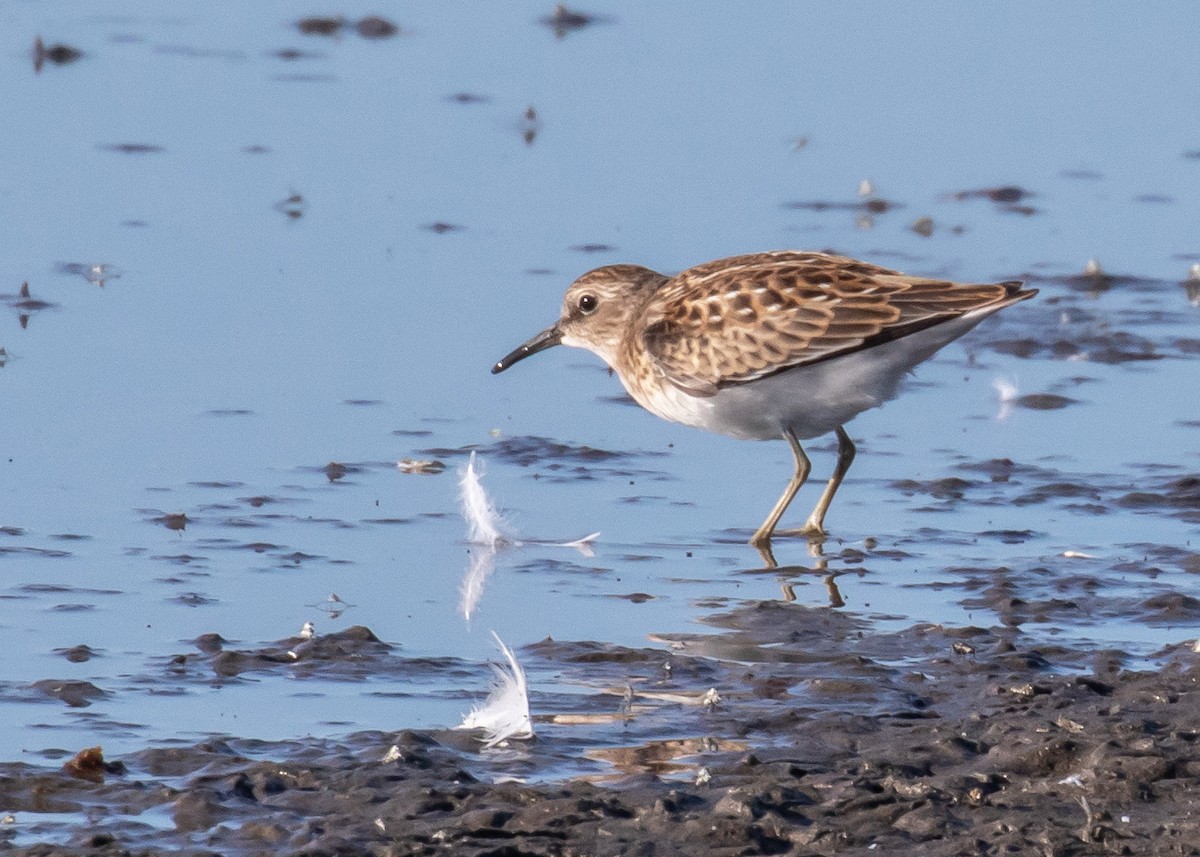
(736, 320)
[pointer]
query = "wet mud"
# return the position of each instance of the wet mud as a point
(792, 730)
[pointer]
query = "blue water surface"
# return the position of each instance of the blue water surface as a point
(276, 297)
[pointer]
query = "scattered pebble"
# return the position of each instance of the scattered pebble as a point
(90, 765)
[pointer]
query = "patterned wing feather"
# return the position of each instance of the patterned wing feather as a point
(739, 319)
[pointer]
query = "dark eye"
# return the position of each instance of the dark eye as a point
(588, 304)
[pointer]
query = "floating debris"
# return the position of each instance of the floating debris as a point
(1093, 280)
(320, 25)
(564, 21)
(1082, 174)
(530, 125)
(440, 228)
(376, 27)
(93, 272)
(468, 98)
(26, 305)
(1192, 285)
(335, 471)
(1044, 401)
(58, 54)
(26, 301)
(1007, 197)
(291, 55)
(1003, 194)
(420, 465)
(131, 148)
(923, 226)
(867, 203)
(333, 605)
(176, 521)
(292, 206)
(504, 716)
(708, 699)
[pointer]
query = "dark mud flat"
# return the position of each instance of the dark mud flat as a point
(980, 742)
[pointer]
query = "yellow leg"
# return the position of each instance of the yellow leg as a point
(815, 526)
(762, 537)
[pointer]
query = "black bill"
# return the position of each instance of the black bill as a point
(549, 337)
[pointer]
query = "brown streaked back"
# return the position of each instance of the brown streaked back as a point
(743, 318)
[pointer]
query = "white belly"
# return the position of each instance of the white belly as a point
(808, 400)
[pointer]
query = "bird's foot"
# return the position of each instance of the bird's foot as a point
(812, 531)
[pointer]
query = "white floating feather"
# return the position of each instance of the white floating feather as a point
(483, 521)
(584, 545)
(505, 713)
(481, 566)
(486, 529)
(1007, 391)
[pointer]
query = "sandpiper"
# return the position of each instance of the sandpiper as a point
(785, 344)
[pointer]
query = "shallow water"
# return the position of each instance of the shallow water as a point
(278, 290)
